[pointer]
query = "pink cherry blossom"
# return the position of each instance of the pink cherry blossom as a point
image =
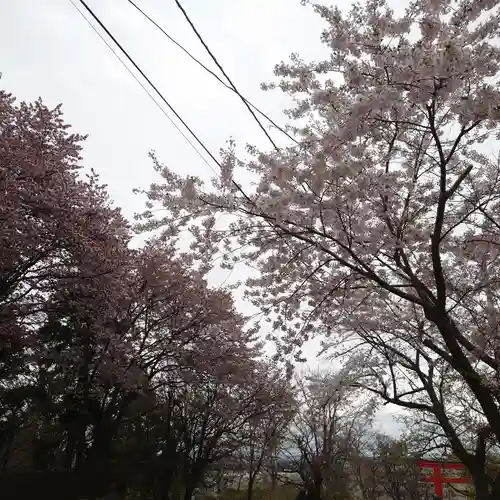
(379, 229)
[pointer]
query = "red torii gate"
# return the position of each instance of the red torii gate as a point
(439, 478)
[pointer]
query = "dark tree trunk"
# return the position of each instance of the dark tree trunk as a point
(314, 492)
(482, 490)
(188, 492)
(251, 481)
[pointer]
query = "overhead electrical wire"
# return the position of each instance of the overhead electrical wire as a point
(151, 84)
(137, 67)
(208, 70)
(129, 57)
(214, 59)
(131, 73)
(150, 96)
(272, 223)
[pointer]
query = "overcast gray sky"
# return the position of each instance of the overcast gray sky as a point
(48, 50)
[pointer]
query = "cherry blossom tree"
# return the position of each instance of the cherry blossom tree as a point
(61, 245)
(112, 360)
(200, 424)
(173, 351)
(378, 228)
(388, 469)
(264, 437)
(332, 421)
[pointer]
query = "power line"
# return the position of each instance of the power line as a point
(154, 100)
(131, 73)
(162, 97)
(272, 223)
(200, 38)
(208, 70)
(129, 57)
(233, 182)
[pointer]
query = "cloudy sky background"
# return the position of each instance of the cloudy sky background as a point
(48, 50)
